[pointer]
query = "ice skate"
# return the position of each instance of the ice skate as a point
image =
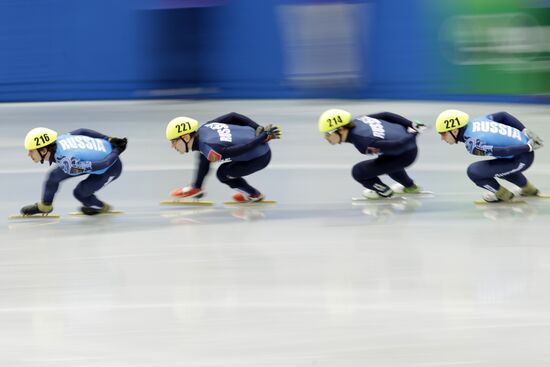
(244, 198)
(503, 195)
(375, 195)
(97, 210)
(241, 198)
(414, 189)
(490, 197)
(37, 210)
(187, 196)
(529, 190)
(371, 195)
(187, 193)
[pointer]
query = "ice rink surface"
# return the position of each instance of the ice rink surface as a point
(311, 281)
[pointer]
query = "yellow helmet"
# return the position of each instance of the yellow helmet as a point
(333, 119)
(39, 137)
(181, 126)
(451, 119)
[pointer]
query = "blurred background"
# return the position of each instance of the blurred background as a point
(491, 50)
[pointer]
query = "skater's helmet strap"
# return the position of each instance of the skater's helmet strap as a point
(39, 137)
(181, 126)
(451, 119)
(333, 119)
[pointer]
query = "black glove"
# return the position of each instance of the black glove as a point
(273, 132)
(37, 208)
(118, 144)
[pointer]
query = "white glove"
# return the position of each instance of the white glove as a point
(417, 127)
(532, 136)
(534, 145)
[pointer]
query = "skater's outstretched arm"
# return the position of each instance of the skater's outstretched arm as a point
(51, 185)
(234, 118)
(203, 166)
(490, 150)
(105, 162)
(393, 118)
(90, 133)
(235, 150)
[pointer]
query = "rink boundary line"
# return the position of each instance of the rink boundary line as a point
(541, 169)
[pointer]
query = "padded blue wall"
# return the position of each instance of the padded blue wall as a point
(113, 49)
(67, 49)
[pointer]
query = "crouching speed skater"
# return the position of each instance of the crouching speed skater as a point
(238, 142)
(80, 152)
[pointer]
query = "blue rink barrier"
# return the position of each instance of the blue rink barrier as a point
(391, 49)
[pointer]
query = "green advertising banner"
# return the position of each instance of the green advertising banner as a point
(492, 46)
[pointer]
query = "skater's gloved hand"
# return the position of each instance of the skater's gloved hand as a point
(259, 130)
(532, 136)
(533, 145)
(273, 132)
(36, 208)
(118, 143)
(417, 127)
(188, 192)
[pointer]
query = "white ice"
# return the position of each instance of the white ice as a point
(311, 281)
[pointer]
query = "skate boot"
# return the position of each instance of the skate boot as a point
(400, 189)
(375, 195)
(529, 190)
(38, 208)
(502, 194)
(94, 210)
(187, 193)
(245, 198)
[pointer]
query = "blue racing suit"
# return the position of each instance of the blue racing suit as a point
(499, 135)
(80, 152)
(387, 132)
(231, 139)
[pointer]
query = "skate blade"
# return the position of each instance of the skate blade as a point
(35, 216)
(250, 202)
(538, 196)
(379, 200)
(420, 193)
(186, 202)
(512, 202)
(110, 212)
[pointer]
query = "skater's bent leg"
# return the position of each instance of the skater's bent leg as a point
(482, 174)
(86, 189)
(517, 179)
(397, 164)
(367, 172)
(402, 177)
(237, 183)
(51, 185)
(512, 172)
(231, 173)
